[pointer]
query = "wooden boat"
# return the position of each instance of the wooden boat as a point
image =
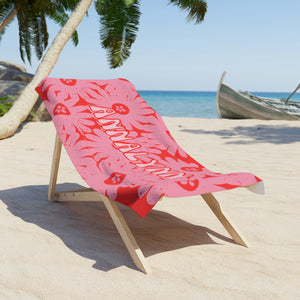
(243, 105)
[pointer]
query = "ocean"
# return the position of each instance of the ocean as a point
(193, 104)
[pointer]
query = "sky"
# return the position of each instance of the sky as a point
(256, 42)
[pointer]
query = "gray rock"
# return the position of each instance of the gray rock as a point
(11, 89)
(15, 75)
(11, 66)
(40, 112)
(13, 80)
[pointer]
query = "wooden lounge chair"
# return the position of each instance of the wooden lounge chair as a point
(122, 149)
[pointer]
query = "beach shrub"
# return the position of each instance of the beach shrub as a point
(7, 102)
(5, 105)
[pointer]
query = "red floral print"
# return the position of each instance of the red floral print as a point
(121, 146)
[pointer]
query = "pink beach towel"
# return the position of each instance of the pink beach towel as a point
(121, 147)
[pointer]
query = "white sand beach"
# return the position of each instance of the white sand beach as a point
(73, 251)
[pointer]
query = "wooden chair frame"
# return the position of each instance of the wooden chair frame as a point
(115, 213)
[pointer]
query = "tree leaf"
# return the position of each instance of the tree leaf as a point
(196, 9)
(119, 25)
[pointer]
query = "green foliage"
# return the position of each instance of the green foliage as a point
(119, 25)
(56, 10)
(5, 8)
(196, 9)
(119, 21)
(4, 106)
(2, 33)
(32, 30)
(7, 102)
(32, 15)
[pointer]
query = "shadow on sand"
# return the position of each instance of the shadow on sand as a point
(274, 134)
(87, 229)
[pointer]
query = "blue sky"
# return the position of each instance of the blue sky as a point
(256, 42)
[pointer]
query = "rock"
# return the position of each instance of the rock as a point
(8, 74)
(40, 112)
(11, 66)
(13, 80)
(11, 89)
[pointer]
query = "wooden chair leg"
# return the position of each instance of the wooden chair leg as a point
(54, 168)
(216, 208)
(127, 236)
(90, 195)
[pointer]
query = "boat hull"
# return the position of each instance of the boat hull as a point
(234, 105)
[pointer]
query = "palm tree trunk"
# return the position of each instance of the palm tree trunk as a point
(8, 19)
(10, 122)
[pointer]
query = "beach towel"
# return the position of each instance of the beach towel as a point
(121, 147)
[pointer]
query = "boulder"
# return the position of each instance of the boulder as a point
(13, 80)
(40, 112)
(15, 75)
(11, 89)
(11, 66)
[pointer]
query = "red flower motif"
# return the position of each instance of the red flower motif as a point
(115, 178)
(68, 81)
(90, 114)
(190, 185)
(61, 109)
(76, 92)
(120, 108)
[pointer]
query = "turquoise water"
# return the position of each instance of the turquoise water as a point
(182, 104)
(193, 104)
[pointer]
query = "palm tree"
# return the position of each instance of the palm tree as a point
(31, 17)
(7, 14)
(119, 20)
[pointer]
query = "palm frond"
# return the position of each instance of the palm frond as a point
(119, 25)
(32, 22)
(25, 39)
(69, 4)
(196, 9)
(56, 11)
(7, 14)
(5, 9)
(39, 35)
(2, 32)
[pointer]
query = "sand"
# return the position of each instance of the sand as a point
(73, 251)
